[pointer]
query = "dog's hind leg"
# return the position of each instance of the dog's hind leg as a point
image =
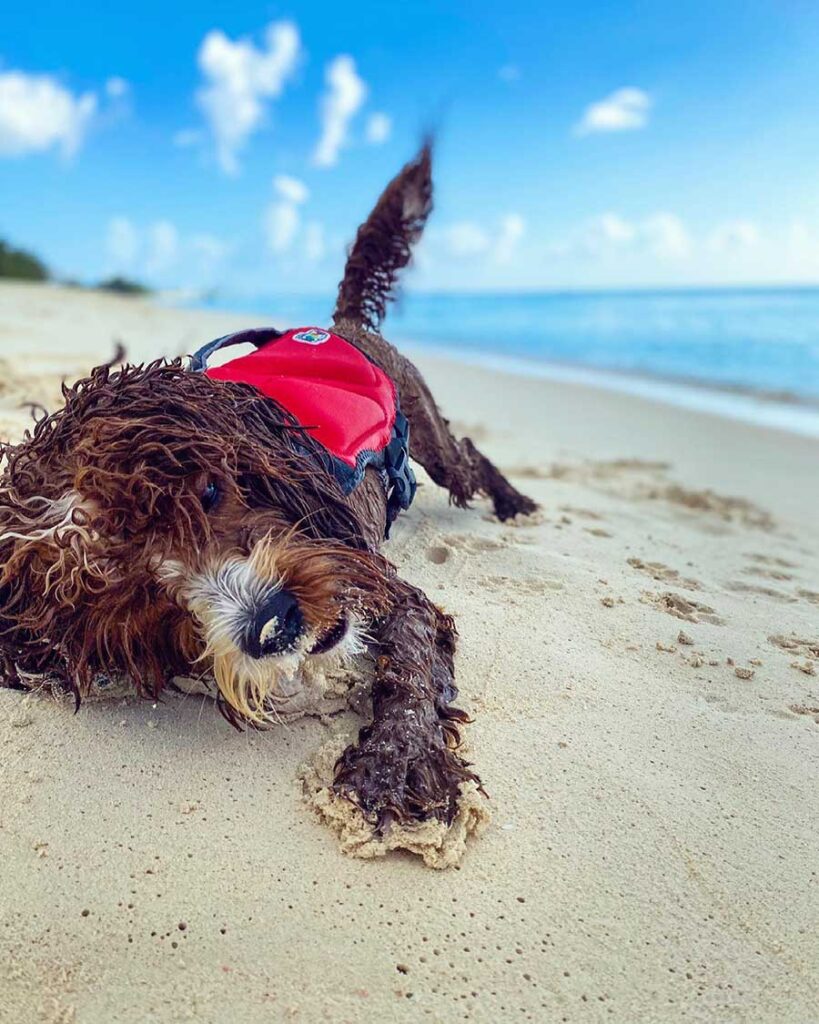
(451, 462)
(381, 250)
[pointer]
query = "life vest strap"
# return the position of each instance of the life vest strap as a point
(258, 336)
(401, 483)
(347, 466)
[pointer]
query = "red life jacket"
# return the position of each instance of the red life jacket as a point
(347, 403)
(328, 385)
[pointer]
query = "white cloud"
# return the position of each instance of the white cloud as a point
(240, 77)
(121, 242)
(346, 92)
(163, 247)
(466, 239)
(159, 247)
(211, 250)
(512, 229)
(734, 235)
(379, 128)
(38, 114)
(281, 223)
(663, 235)
(509, 73)
(610, 227)
(801, 241)
(282, 218)
(598, 235)
(623, 110)
(284, 233)
(315, 246)
(291, 189)
(117, 88)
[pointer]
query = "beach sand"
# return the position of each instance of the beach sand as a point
(641, 662)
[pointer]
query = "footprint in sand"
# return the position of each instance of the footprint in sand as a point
(662, 573)
(768, 574)
(803, 709)
(530, 585)
(727, 508)
(438, 554)
(581, 513)
(638, 480)
(476, 545)
(528, 472)
(796, 645)
(471, 545)
(750, 588)
(771, 560)
(681, 607)
(721, 702)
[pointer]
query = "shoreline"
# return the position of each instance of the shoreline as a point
(788, 412)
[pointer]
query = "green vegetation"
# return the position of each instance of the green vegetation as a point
(123, 286)
(18, 263)
(25, 266)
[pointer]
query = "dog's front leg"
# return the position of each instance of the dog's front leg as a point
(405, 766)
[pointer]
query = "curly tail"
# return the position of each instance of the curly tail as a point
(383, 245)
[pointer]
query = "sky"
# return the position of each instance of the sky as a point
(597, 145)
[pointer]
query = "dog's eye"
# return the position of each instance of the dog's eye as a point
(209, 495)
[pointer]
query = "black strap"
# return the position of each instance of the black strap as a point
(401, 483)
(258, 336)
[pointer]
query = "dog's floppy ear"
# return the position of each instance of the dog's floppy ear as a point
(383, 245)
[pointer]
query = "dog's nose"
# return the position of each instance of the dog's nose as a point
(276, 626)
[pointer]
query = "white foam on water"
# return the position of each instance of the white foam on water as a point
(792, 417)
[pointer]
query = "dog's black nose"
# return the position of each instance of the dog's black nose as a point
(276, 626)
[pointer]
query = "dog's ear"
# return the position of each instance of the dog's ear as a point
(383, 245)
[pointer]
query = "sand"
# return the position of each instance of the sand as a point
(641, 663)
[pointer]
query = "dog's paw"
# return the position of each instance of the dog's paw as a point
(511, 503)
(398, 775)
(440, 845)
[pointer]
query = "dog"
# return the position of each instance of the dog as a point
(165, 523)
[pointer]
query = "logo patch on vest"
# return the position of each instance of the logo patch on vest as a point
(312, 336)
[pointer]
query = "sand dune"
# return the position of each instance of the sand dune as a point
(641, 663)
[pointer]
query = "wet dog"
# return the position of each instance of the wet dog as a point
(165, 523)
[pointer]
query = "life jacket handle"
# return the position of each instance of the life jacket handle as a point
(258, 336)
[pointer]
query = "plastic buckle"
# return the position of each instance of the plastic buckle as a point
(401, 479)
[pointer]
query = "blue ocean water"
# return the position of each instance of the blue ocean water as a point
(764, 341)
(761, 340)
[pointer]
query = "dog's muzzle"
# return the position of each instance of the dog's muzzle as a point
(275, 628)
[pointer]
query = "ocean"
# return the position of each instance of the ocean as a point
(747, 353)
(764, 341)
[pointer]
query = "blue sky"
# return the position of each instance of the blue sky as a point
(578, 145)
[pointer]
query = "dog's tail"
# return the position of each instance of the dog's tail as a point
(383, 245)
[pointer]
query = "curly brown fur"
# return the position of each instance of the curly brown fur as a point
(80, 593)
(113, 563)
(413, 719)
(381, 250)
(86, 590)
(383, 245)
(453, 463)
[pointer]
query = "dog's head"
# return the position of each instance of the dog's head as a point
(162, 521)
